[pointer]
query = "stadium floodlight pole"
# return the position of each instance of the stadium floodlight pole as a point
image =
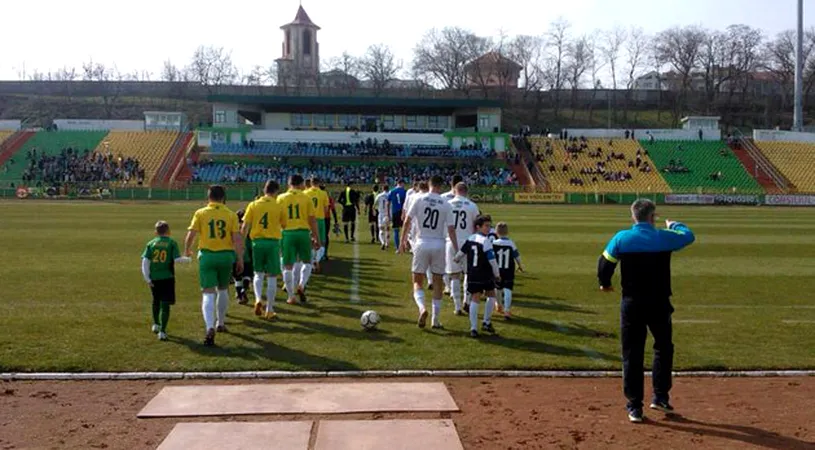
(798, 114)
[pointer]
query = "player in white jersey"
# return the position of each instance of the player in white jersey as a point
(383, 215)
(434, 219)
(449, 195)
(464, 213)
(409, 197)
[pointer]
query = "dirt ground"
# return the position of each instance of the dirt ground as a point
(496, 413)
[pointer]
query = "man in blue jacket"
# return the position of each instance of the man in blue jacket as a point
(644, 254)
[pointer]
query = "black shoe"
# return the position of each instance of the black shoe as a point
(488, 328)
(382, 247)
(662, 405)
(302, 294)
(466, 307)
(635, 415)
(459, 313)
(473, 334)
(430, 287)
(438, 327)
(209, 338)
(221, 328)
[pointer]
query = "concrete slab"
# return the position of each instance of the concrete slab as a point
(299, 398)
(239, 436)
(387, 435)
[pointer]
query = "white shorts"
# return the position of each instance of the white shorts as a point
(452, 267)
(383, 220)
(428, 256)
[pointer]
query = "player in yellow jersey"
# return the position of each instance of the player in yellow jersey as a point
(220, 245)
(299, 236)
(319, 198)
(264, 221)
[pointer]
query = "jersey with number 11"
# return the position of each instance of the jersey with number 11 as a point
(215, 225)
(297, 207)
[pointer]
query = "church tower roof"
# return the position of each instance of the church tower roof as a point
(301, 18)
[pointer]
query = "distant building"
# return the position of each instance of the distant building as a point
(300, 60)
(757, 84)
(493, 70)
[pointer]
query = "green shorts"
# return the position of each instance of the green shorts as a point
(296, 246)
(266, 256)
(215, 268)
(321, 231)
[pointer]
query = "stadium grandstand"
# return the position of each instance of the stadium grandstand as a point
(795, 160)
(708, 166)
(590, 165)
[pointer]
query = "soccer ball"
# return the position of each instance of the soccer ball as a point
(369, 320)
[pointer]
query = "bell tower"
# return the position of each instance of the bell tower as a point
(300, 60)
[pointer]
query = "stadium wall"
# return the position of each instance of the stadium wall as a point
(669, 134)
(784, 136)
(12, 125)
(93, 125)
(246, 193)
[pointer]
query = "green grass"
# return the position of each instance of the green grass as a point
(73, 298)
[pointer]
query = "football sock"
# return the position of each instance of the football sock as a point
(257, 284)
(305, 274)
(345, 227)
(467, 295)
(396, 237)
(321, 253)
(455, 291)
(473, 315)
(296, 271)
(488, 307)
(208, 309)
(239, 287)
(164, 316)
(373, 232)
(223, 302)
(288, 282)
(436, 316)
(271, 291)
(247, 281)
(429, 277)
(418, 296)
(156, 307)
(353, 230)
(507, 300)
(446, 279)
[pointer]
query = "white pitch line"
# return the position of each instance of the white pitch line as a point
(796, 322)
(696, 321)
(355, 275)
(98, 376)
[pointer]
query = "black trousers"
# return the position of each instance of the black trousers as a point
(637, 316)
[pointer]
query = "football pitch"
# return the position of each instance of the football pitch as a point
(73, 298)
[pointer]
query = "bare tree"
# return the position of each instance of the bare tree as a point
(713, 59)
(379, 67)
(557, 40)
(486, 63)
(345, 72)
(745, 56)
(779, 59)
(580, 59)
(636, 48)
(171, 73)
(442, 55)
(110, 81)
(596, 66)
(680, 48)
(614, 40)
(212, 67)
(526, 51)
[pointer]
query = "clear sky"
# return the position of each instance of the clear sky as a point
(140, 35)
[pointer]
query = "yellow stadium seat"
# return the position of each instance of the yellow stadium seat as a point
(796, 160)
(149, 147)
(559, 181)
(4, 135)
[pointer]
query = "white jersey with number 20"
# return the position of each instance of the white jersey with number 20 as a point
(431, 215)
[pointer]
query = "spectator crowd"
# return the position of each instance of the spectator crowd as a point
(72, 166)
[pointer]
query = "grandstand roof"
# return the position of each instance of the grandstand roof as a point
(349, 104)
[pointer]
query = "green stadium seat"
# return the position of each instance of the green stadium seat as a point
(702, 159)
(49, 143)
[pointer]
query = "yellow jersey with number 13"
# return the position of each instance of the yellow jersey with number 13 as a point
(215, 225)
(297, 207)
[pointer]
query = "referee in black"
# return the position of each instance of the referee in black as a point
(349, 199)
(644, 254)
